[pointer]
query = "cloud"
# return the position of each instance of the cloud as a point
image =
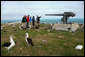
(20, 8)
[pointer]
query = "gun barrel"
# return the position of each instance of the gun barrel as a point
(53, 14)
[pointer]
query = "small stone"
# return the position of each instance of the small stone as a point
(79, 47)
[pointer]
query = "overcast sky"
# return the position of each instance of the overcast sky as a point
(17, 9)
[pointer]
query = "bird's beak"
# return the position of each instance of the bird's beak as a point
(14, 37)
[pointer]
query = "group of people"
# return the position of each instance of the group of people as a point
(27, 21)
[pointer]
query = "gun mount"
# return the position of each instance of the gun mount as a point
(66, 16)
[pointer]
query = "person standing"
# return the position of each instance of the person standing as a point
(33, 21)
(24, 22)
(38, 20)
(28, 20)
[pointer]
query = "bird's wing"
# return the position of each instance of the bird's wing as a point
(30, 41)
(6, 44)
(26, 40)
(12, 44)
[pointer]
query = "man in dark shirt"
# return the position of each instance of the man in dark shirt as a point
(24, 19)
(38, 20)
(24, 22)
(33, 21)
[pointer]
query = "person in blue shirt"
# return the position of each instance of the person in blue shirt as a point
(30, 20)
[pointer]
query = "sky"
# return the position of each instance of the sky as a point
(14, 10)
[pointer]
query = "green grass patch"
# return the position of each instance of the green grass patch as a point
(59, 43)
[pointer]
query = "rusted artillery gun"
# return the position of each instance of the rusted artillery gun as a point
(66, 16)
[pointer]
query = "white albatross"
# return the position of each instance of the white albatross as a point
(9, 45)
(29, 40)
(1, 28)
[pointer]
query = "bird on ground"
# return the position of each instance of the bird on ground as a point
(20, 27)
(9, 45)
(1, 28)
(29, 40)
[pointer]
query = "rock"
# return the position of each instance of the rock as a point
(61, 37)
(82, 26)
(74, 27)
(66, 27)
(48, 30)
(79, 47)
(44, 41)
(14, 30)
(39, 46)
(36, 27)
(20, 48)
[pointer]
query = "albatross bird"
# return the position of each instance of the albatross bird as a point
(9, 45)
(1, 28)
(29, 40)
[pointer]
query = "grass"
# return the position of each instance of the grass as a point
(59, 43)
